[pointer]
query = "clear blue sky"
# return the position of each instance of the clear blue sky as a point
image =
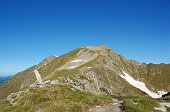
(31, 30)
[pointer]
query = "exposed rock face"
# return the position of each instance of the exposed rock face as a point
(38, 76)
(96, 69)
(39, 82)
(163, 107)
(112, 107)
(13, 96)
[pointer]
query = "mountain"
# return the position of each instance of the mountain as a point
(96, 70)
(3, 79)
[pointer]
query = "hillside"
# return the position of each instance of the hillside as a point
(93, 71)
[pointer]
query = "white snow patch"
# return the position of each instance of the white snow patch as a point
(162, 93)
(140, 85)
(79, 60)
(72, 67)
(107, 66)
(89, 67)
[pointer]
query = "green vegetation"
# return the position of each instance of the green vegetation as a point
(168, 109)
(64, 73)
(159, 75)
(63, 98)
(167, 99)
(60, 98)
(138, 103)
(90, 63)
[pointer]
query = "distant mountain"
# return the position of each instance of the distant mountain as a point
(93, 69)
(3, 79)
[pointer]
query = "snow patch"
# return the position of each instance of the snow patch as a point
(107, 66)
(72, 67)
(79, 60)
(162, 93)
(141, 86)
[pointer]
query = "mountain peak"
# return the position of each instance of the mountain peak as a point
(97, 47)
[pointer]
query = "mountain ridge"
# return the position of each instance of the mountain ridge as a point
(91, 53)
(97, 70)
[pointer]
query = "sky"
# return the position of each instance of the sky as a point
(31, 30)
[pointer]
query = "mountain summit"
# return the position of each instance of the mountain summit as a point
(94, 69)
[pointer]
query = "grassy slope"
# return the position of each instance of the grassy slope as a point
(65, 58)
(63, 98)
(55, 99)
(163, 80)
(58, 62)
(140, 105)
